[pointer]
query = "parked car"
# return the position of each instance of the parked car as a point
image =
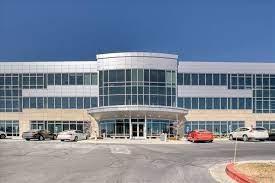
(272, 134)
(248, 133)
(200, 136)
(2, 135)
(39, 134)
(72, 135)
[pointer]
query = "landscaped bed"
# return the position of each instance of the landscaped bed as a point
(260, 172)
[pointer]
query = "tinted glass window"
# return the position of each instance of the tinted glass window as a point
(65, 79)
(187, 79)
(216, 79)
(57, 79)
(194, 79)
(209, 79)
(50, 79)
(201, 79)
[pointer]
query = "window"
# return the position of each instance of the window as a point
(40, 102)
(223, 79)
(65, 79)
(195, 103)
(50, 80)
(87, 102)
(201, 79)
(57, 79)
(79, 103)
(201, 103)
(72, 102)
(94, 78)
(217, 103)
(32, 102)
(87, 79)
(223, 103)
(234, 103)
(72, 79)
(57, 102)
(216, 79)
(65, 103)
(194, 79)
(187, 79)
(51, 102)
(187, 103)
(180, 79)
(248, 103)
(209, 103)
(79, 79)
(241, 103)
(209, 79)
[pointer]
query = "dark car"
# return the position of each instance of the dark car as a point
(272, 134)
(39, 135)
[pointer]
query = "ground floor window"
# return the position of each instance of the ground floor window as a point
(266, 124)
(219, 128)
(10, 127)
(59, 126)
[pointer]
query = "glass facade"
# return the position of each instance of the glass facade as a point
(266, 124)
(264, 93)
(11, 86)
(262, 86)
(59, 102)
(10, 127)
(59, 126)
(137, 87)
(207, 103)
(121, 127)
(10, 92)
(219, 128)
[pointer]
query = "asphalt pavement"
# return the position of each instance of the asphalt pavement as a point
(68, 162)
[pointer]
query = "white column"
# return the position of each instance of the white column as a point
(145, 127)
(130, 127)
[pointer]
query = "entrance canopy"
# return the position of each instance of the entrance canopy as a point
(153, 112)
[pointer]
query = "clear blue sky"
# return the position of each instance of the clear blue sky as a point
(210, 30)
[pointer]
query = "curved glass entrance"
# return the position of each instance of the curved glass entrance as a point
(136, 128)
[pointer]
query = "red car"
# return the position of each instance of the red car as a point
(200, 136)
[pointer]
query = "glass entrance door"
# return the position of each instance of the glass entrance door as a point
(138, 130)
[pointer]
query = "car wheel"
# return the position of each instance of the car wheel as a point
(2, 136)
(62, 140)
(27, 139)
(75, 138)
(230, 137)
(86, 138)
(54, 137)
(245, 138)
(40, 138)
(210, 141)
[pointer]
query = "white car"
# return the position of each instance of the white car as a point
(2, 135)
(247, 133)
(72, 135)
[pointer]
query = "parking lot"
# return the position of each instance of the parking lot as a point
(55, 161)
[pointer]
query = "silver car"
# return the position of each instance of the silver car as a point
(2, 135)
(72, 135)
(248, 133)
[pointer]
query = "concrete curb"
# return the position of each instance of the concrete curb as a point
(237, 176)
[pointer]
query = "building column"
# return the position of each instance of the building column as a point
(130, 127)
(145, 126)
